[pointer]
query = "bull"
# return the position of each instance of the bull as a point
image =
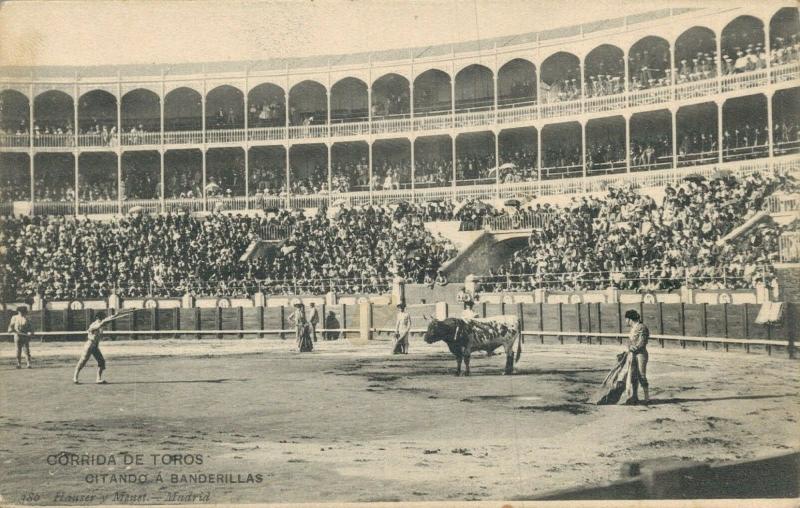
(487, 334)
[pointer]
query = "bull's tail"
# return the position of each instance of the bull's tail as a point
(519, 346)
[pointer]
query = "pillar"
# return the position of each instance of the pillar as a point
(718, 40)
(288, 173)
(330, 170)
(31, 154)
(719, 129)
(496, 156)
(770, 134)
(627, 143)
(246, 171)
(627, 71)
(413, 141)
(674, 117)
(539, 149)
(120, 197)
(163, 194)
(369, 162)
(76, 150)
(203, 152)
(453, 154)
(583, 147)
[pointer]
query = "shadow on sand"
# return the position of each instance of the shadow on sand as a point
(680, 400)
(175, 381)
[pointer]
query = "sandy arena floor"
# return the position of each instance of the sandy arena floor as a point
(352, 423)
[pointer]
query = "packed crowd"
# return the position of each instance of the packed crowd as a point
(604, 84)
(354, 250)
(650, 68)
(628, 241)
(698, 146)
(701, 66)
(267, 114)
(650, 149)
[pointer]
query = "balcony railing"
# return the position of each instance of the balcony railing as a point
(183, 137)
(15, 140)
(141, 138)
(433, 119)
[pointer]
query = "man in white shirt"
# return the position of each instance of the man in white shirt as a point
(402, 330)
(22, 329)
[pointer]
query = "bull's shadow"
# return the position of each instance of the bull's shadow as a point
(684, 400)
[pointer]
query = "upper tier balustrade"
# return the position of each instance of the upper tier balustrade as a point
(432, 122)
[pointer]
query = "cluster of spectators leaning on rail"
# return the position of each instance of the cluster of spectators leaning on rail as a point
(623, 239)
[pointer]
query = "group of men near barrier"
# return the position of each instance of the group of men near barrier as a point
(462, 335)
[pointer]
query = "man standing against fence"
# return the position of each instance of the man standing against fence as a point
(402, 330)
(22, 329)
(313, 318)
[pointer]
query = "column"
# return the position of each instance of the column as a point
(627, 70)
(674, 118)
(413, 141)
(203, 148)
(120, 197)
(770, 134)
(453, 102)
(246, 174)
(118, 148)
(583, 147)
(246, 141)
(453, 154)
(163, 193)
(31, 154)
(672, 72)
(77, 198)
(496, 155)
(369, 107)
(581, 66)
(539, 150)
(203, 154)
(162, 149)
(76, 150)
(718, 39)
(330, 170)
(328, 116)
(288, 173)
(369, 161)
(627, 143)
(719, 129)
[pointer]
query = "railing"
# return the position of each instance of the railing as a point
(430, 123)
(275, 232)
(650, 96)
(97, 139)
(389, 126)
(308, 131)
(744, 80)
(565, 108)
(520, 220)
(621, 279)
(745, 152)
(54, 140)
(694, 89)
(474, 119)
(308, 200)
(267, 134)
(183, 137)
(785, 72)
(786, 147)
(266, 202)
(514, 115)
(108, 207)
(15, 140)
(350, 129)
(141, 138)
(782, 202)
(605, 103)
(54, 207)
(143, 205)
(222, 203)
(789, 247)
(224, 135)
(189, 205)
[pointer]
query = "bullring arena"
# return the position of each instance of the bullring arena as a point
(261, 235)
